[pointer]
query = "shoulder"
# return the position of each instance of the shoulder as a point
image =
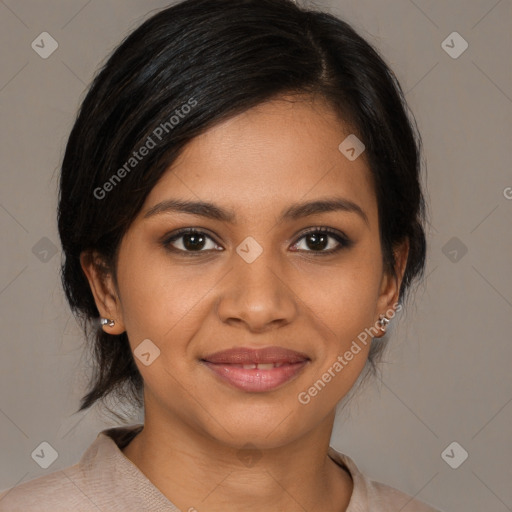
(371, 495)
(56, 491)
(80, 487)
(103, 479)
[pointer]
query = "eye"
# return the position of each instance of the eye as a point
(322, 240)
(190, 240)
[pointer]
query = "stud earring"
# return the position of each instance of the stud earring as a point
(107, 321)
(383, 323)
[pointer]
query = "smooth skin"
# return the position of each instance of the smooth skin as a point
(196, 296)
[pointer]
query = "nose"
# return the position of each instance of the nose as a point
(257, 295)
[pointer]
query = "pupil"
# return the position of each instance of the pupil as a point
(193, 241)
(317, 241)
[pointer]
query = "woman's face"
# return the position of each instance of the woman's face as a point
(253, 278)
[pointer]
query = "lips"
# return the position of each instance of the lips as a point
(269, 355)
(256, 370)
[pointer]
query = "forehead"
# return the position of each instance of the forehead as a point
(274, 154)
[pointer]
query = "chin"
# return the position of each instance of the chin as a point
(263, 427)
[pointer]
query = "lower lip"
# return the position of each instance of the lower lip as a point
(254, 380)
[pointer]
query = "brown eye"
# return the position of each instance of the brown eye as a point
(322, 240)
(190, 241)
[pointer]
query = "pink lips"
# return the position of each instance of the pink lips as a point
(256, 370)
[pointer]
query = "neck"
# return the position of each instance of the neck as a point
(196, 473)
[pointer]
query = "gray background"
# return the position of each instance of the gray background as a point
(447, 372)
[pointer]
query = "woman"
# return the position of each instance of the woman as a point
(241, 216)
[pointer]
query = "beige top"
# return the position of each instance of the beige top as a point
(105, 480)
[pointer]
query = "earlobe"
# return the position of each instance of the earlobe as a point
(104, 292)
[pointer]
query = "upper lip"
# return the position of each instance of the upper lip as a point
(246, 355)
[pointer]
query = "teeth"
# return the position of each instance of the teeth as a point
(267, 366)
(261, 366)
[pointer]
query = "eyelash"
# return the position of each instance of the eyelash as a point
(343, 241)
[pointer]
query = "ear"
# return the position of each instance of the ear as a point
(390, 284)
(103, 289)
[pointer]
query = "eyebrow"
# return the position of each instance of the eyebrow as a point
(293, 212)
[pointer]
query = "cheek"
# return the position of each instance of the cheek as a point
(344, 296)
(345, 306)
(146, 291)
(162, 302)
